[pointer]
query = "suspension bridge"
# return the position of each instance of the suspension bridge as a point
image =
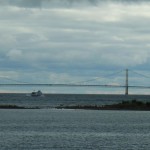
(126, 84)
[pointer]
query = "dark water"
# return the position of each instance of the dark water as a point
(52, 100)
(51, 129)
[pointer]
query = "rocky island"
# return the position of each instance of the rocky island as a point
(16, 107)
(124, 105)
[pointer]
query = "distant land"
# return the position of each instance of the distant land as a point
(124, 105)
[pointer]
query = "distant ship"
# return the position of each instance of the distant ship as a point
(38, 93)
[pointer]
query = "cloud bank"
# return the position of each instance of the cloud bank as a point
(64, 3)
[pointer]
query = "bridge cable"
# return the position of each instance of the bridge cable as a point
(140, 74)
(15, 80)
(112, 74)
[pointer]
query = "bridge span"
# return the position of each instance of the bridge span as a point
(81, 84)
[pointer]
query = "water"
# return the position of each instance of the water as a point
(52, 100)
(52, 129)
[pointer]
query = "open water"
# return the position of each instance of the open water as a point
(53, 129)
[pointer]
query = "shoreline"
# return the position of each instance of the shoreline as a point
(124, 105)
(17, 107)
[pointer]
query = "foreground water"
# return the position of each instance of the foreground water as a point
(51, 129)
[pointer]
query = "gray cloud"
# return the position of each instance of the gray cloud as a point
(63, 3)
(71, 39)
(25, 3)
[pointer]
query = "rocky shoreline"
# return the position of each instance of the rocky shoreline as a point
(124, 105)
(16, 107)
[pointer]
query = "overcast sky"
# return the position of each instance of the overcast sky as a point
(63, 41)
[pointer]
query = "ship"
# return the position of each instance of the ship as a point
(38, 93)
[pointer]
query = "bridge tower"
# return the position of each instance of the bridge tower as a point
(126, 84)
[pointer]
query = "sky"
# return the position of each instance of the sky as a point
(68, 41)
